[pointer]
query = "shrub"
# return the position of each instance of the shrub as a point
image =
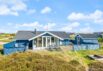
(100, 39)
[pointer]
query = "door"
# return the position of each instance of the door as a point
(46, 41)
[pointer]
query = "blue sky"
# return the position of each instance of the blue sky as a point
(53, 15)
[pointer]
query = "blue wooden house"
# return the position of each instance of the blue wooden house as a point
(99, 34)
(33, 40)
(86, 42)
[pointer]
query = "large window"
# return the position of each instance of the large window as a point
(39, 42)
(52, 39)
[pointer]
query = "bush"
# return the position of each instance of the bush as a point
(30, 61)
(96, 66)
(100, 39)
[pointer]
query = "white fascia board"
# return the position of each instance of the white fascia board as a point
(90, 38)
(45, 33)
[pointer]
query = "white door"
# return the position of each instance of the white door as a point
(46, 41)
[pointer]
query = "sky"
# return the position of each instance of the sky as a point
(51, 15)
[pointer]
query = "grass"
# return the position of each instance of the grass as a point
(96, 66)
(6, 40)
(1, 46)
(6, 37)
(40, 61)
(50, 61)
(1, 49)
(45, 60)
(82, 56)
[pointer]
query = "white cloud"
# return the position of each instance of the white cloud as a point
(95, 17)
(46, 10)
(29, 25)
(75, 27)
(70, 27)
(19, 6)
(12, 7)
(37, 25)
(86, 30)
(4, 10)
(49, 26)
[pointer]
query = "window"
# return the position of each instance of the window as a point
(78, 40)
(16, 45)
(52, 39)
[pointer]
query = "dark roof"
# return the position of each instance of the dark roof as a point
(98, 32)
(25, 35)
(88, 35)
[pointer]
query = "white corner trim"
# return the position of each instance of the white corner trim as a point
(45, 33)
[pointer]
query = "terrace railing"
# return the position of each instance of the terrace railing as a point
(10, 48)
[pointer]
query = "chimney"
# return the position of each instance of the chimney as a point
(35, 31)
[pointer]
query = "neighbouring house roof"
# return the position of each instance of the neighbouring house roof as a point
(26, 35)
(88, 36)
(99, 34)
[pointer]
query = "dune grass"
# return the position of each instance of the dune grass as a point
(1, 46)
(49, 61)
(40, 61)
(6, 37)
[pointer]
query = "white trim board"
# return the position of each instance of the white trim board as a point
(45, 33)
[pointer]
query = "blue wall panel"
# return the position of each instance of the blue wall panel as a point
(12, 48)
(85, 47)
(65, 42)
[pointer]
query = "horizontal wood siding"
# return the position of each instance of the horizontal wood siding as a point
(85, 47)
(79, 40)
(65, 42)
(12, 48)
(90, 41)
